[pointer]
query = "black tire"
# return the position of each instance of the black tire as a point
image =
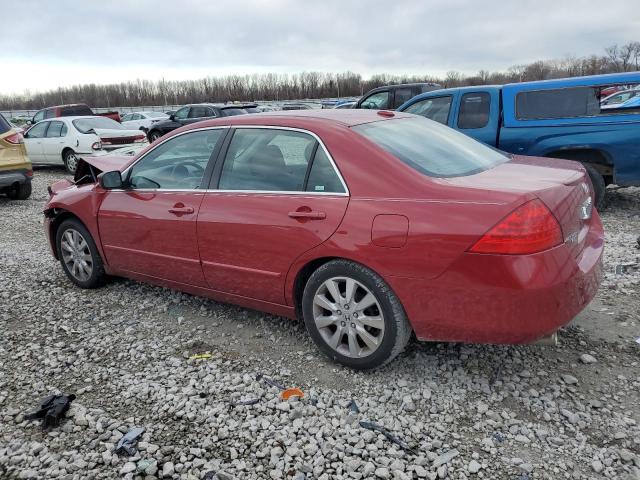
(98, 276)
(397, 330)
(599, 187)
(70, 161)
(21, 191)
(154, 135)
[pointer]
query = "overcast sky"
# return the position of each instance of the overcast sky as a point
(45, 44)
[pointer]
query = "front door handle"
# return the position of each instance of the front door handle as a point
(308, 215)
(180, 209)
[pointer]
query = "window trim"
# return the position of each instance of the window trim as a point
(223, 154)
(220, 158)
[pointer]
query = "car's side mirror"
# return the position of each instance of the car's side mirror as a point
(172, 117)
(110, 180)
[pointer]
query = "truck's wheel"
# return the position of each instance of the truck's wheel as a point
(21, 191)
(599, 187)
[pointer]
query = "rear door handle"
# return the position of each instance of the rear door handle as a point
(179, 209)
(308, 215)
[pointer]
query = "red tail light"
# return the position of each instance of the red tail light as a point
(15, 139)
(530, 228)
(140, 138)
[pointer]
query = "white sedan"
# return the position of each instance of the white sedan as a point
(60, 141)
(142, 120)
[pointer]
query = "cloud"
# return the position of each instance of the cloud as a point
(123, 40)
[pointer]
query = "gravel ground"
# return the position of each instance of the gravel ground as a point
(463, 411)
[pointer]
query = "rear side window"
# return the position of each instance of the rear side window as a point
(56, 130)
(432, 149)
(401, 96)
(50, 113)
(267, 160)
(231, 112)
(322, 176)
(474, 110)
(198, 112)
(557, 103)
(5, 126)
(436, 109)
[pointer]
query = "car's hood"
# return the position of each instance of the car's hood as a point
(108, 163)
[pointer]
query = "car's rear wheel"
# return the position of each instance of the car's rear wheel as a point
(599, 187)
(70, 160)
(154, 135)
(79, 255)
(20, 191)
(353, 315)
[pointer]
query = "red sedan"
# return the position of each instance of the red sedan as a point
(370, 226)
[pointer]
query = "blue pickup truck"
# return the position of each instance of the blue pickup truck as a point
(550, 118)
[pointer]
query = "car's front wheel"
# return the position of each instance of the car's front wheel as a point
(79, 255)
(70, 160)
(353, 315)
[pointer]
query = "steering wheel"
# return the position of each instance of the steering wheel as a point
(198, 167)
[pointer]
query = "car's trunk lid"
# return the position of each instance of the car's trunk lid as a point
(118, 138)
(562, 185)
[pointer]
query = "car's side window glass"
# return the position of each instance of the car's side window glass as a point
(182, 113)
(38, 131)
(126, 118)
(267, 160)
(198, 112)
(64, 130)
(474, 110)
(401, 96)
(377, 101)
(178, 163)
(211, 113)
(49, 113)
(436, 109)
(323, 176)
(38, 116)
(55, 129)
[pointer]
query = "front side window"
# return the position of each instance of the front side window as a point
(55, 129)
(38, 131)
(198, 112)
(38, 116)
(377, 101)
(474, 110)
(267, 160)
(436, 109)
(432, 149)
(401, 96)
(127, 117)
(182, 113)
(178, 163)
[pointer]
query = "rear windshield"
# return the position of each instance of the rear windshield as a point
(84, 125)
(431, 148)
(5, 126)
(230, 112)
(75, 110)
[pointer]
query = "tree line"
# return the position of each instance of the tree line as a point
(308, 85)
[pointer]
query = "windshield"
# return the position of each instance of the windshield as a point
(155, 115)
(84, 125)
(431, 148)
(230, 112)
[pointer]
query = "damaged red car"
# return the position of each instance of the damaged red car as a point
(371, 226)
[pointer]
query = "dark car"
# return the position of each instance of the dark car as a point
(296, 106)
(192, 114)
(391, 97)
(71, 110)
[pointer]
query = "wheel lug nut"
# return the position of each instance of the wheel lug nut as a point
(346, 307)
(353, 325)
(344, 324)
(355, 314)
(339, 312)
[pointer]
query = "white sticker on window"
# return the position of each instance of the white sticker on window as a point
(319, 188)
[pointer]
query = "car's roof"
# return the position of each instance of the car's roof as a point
(345, 117)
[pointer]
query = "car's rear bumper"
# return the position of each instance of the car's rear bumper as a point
(11, 177)
(505, 298)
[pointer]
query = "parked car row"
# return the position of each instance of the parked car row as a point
(15, 167)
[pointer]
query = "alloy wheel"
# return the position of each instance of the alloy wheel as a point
(76, 255)
(348, 317)
(72, 162)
